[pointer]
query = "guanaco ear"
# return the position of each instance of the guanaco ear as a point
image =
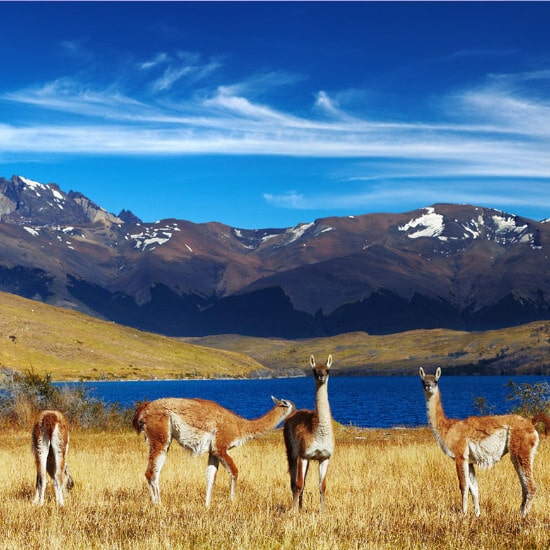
(437, 373)
(329, 361)
(312, 361)
(422, 373)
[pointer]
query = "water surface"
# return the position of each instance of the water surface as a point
(367, 402)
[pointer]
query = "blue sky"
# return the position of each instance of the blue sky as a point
(274, 113)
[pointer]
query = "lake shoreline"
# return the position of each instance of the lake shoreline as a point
(305, 375)
(366, 402)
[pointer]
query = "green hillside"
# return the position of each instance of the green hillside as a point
(73, 346)
(520, 350)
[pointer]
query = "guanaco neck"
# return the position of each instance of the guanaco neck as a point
(270, 420)
(438, 421)
(322, 406)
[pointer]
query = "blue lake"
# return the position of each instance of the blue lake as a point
(367, 402)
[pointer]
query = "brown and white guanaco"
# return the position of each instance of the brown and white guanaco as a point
(50, 445)
(201, 426)
(482, 440)
(309, 436)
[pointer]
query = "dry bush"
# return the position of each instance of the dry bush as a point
(386, 489)
(24, 395)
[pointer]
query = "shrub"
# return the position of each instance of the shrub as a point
(482, 406)
(23, 395)
(531, 398)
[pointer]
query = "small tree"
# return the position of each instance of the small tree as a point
(482, 407)
(531, 398)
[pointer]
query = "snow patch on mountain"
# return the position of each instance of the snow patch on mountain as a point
(269, 237)
(253, 239)
(499, 227)
(508, 231)
(472, 228)
(296, 232)
(153, 236)
(244, 240)
(32, 231)
(36, 186)
(506, 224)
(32, 184)
(299, 231)
(429, 224)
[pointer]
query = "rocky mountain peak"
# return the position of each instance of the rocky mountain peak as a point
(464, 224)
(127, 216)
(27, 202)
(446, 265)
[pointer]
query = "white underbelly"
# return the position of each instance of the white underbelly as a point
(320, 450)
(197, 441)
(490, 450)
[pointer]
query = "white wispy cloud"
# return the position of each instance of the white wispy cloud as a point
(383, 194)
(504, 112)
(169, 77)
(290, 199)
(498, 128)
(174, 68)
(327, 104)
(256, 85)
(71, 97)
(160, 58)
(73, 48)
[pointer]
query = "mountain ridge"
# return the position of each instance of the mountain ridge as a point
(453, 266)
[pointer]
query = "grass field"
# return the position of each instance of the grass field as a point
(386, 489)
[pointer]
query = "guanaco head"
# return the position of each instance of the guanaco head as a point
(320, 372)
(429, 381)
(287, 407)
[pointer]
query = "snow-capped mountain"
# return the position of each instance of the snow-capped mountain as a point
(456, 266)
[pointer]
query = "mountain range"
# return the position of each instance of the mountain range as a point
(452, 266)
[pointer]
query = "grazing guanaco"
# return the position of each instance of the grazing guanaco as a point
(482, 440)
(201, 426)
(50, 444)
(309, 436)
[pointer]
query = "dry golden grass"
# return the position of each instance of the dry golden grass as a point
(386, 489)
